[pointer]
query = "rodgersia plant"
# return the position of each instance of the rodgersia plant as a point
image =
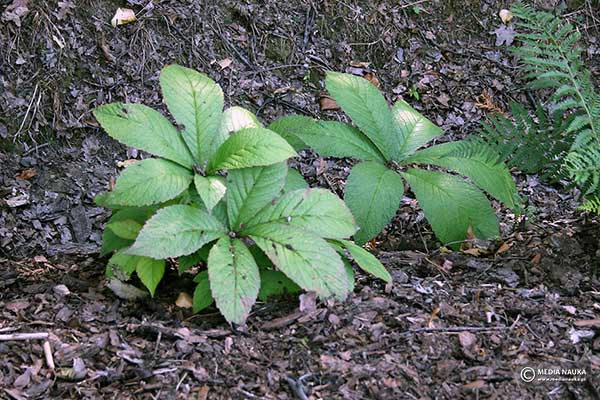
(220, 195)
(388, 142)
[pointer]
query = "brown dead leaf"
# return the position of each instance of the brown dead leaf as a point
(26, 174)
(536, 259)
(184, 300)
(106, 50)
(372, 78)
(485, 101)
(123, 16)
(225, 63)
(467, 340)
(504, 247)
(203, 393)
(327, 103)
(588, 323)
(15, 11)
(478, 384)
(360, 64)
(435, 312)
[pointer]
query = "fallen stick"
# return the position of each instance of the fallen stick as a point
(24, 336)
(48, 354)
(33, 336)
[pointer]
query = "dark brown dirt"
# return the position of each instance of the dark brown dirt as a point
(451, 326)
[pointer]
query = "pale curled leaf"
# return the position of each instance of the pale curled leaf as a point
(211, 189)
(123, 16)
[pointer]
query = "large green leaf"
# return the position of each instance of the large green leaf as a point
(126, 229)
(125, 262)
(237, 118)
(150, 272)
(145, 129)
(234, 278)
(250, 189)
(251, 147)
(286, 128)
(416, 130)
(304, 257)
(478, 162)
(373, 193)
(316, 210)
(111, 241)
(328, 138)
(366, 261)
(294, 181)
(176, 231)
(211, 189)
(202, 295)
(451, 205)
(368, 109)
(196, 102)
(150, 181)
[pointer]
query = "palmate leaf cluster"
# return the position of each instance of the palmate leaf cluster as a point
(221, 196)
(563, 141)
(382, 137)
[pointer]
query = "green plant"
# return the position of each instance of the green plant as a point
(388, 140)
(551, 59)
(530, 143)
(222, 196)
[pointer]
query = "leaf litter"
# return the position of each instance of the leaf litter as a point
(461, 330)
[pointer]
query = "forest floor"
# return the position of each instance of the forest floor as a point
(452, 325)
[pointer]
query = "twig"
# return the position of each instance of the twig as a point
(48, 354)
(457, 329)
(414, 3)
(297, 387)
(24, 336)
(33, 336)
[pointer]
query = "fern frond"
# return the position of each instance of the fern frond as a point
(591, 205)
(532, 145)
(551, 57)
(583, 165)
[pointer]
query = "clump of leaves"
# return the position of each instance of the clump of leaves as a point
(388, 140)
(565, 142)
(221, 195)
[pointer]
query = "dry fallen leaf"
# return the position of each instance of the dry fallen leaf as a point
(327, 103)
(184, 300)
(505, 15)
(123, 16)
(372, 78)
(478, 384)
(225, 63)
(26, 174)
(504, 247)
(536, 259)
(126, 163)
